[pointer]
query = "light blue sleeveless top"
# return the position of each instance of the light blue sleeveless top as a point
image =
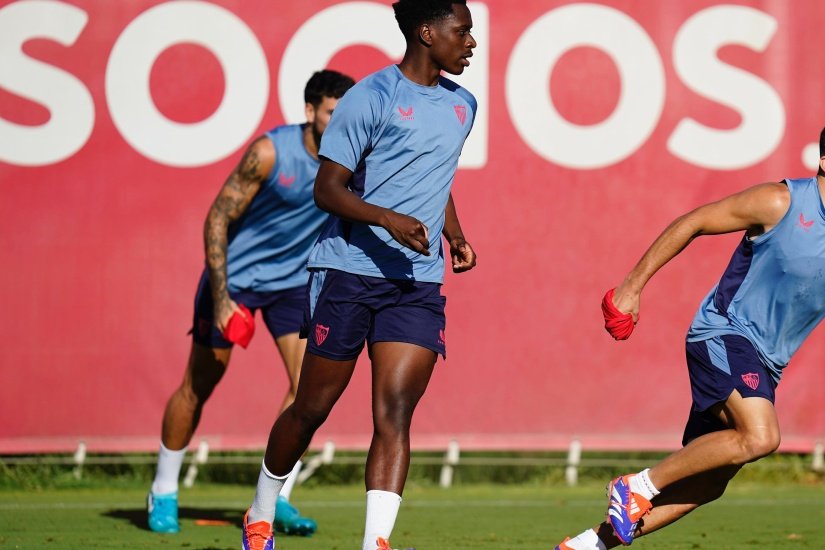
(270, 243)
(773, 290)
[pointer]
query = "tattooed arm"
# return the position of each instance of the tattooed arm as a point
(232, 200)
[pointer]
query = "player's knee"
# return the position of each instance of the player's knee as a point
(201, 387)
(290, 396)
(187, 394)
(308, 417)
(760, 443)
(394, 419)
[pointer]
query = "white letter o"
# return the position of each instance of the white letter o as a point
(246, 77)
(641, 98)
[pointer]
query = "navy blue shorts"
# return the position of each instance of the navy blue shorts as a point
(344, 310)
(282, 311)
(717, 367)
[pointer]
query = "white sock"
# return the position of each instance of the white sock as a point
(266, 495)
(382, 508)
(166, 476)
(588, 540)
(641, 484)
(286, 492)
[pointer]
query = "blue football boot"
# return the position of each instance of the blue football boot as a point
(290, 522)
(163, 512)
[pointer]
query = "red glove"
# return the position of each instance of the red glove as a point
(240, 328)
(619, 325)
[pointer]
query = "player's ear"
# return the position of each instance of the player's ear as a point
(309, 111)
(425, 34)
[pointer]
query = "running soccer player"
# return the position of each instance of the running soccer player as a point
(745, 332)
(388, 161)
(257, 237)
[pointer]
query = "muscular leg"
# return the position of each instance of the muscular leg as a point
(292, 350)
(699, 472)
(400, 374)
(204, 370)
(287, 517)
(753, 434)
(321, 383)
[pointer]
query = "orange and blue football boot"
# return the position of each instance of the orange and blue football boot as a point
(257, 536)
(625, 508)
(384, 544)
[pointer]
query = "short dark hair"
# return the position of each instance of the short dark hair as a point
(410, 14)
(326, 83)
(822, 143)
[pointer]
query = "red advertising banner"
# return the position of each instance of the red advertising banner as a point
(598, 124)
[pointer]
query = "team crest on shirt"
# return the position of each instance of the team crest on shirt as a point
(285, 180)
(406, 114)
(751, 379)
(461, 113)
(321, 333)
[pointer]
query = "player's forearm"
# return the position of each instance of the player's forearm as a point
(215, 242)
(452, 227)
(343, 203)
(667, 246)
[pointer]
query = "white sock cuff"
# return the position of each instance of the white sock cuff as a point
(269, 474)
(164, 449)
(382, 495)
(643, 475)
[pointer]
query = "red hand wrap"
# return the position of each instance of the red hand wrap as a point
(240, 328)
(619, 325)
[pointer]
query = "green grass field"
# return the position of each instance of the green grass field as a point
(482, 516)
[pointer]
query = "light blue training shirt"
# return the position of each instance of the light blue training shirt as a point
(402, 141)
(270, 243)
(773, 290)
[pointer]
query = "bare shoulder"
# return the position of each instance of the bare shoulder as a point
(264, 149)
(769, 202)
(258, 160)
(773, 195)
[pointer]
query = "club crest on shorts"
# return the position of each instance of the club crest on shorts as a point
(442, 337)
(751, 379)
(321, 333)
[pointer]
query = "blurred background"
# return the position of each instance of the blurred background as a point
(598, 124)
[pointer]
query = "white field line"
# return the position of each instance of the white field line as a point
(241, 505)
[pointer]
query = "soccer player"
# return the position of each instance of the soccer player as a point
(257, 237)
(388, 161)
(745, 332)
